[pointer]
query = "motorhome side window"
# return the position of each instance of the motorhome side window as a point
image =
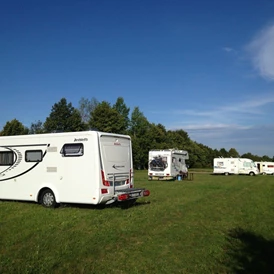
(6, 158)
(33, 156)
(69, 150)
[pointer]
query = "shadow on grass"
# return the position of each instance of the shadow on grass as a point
(250, 253)
(122, 205)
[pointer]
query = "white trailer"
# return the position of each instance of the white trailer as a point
(265, 168)
(167, 164)
(228, 166)
(87, 167)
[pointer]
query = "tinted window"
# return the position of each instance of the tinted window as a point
(33, 156)
(72, 150)
(6, 158)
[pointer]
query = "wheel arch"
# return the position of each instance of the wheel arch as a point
(53, 189)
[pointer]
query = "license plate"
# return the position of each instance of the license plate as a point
(133, 195)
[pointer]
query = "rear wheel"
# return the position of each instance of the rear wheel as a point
(226, 173)
(48, 199)
(251, 174)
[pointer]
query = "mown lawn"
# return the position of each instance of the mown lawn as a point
(213, 224)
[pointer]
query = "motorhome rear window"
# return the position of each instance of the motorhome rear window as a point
(72, 150)
(33, 156)
(6, 158)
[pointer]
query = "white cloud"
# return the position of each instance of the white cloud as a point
(232, 125)
(251, 106)
(262, 52)
(227, 49)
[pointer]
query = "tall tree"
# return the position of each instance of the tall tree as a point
(123, 110)
(233, 153)
(141, 141)
(138, 123)
(224, 153)
(64, 117)
(36, 128)
(86, 107)
(157, 136)
(249, 156)
(107, 119)
(14, 127)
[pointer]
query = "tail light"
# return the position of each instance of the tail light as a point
(105, 182)
(123, 197)
(146, 192)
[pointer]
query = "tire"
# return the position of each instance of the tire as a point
(251, 174)
(226, 173)
(264, 173)
(48, 199)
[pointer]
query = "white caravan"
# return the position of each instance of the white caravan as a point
(87, 167)
(228, 166)
(167, 164)
(265, 168)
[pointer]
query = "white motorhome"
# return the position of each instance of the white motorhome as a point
(167, 164)
(87, 167)
(265, 168)
(228, 166)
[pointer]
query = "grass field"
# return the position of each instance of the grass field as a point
(213, 224)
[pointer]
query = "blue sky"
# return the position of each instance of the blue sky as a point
(206, 67)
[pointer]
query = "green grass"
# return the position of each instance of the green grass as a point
(213, 224)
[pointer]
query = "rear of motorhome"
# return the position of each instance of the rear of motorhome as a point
(265, 168)
(228, 166)
(167, 164)
(88, 167)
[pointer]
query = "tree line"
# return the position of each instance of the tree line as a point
(94, 115)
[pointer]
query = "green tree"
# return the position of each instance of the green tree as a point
(157, 136)
(178, 139)
(36, 128)
(107, 119)
(86, 107)
(265, 158)
(64, 117)
(123, 110)
(224, 153)
(138, 123)
(233, 153)
(14, 127)
(249, 156)
(139, 130)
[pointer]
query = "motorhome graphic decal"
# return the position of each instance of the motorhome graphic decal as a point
(19, 166)
(117, 167)
(80, 139)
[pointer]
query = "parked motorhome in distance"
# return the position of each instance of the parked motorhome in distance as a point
(167, 164)
(87, 167)
(229, 166)
(265, 168)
